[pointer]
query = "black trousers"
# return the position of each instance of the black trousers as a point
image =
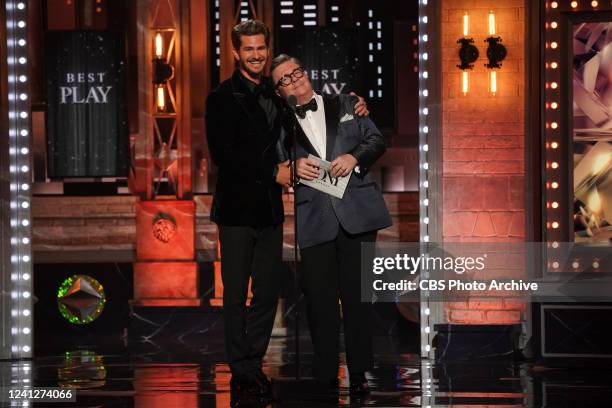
(332, 271)
(248, 252)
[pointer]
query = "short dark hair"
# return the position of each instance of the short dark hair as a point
(281, 59)
(249, 27)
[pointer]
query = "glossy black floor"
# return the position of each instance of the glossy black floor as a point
(147, 374)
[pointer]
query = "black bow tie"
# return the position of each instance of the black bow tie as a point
(301, 110)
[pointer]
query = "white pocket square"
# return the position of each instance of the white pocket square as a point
(346, 118)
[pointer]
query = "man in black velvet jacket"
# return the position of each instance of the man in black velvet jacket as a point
(242, 128)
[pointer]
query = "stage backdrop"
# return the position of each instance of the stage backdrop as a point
(87, 130)
(334, 58)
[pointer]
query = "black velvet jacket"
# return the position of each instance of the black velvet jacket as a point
(243, 147)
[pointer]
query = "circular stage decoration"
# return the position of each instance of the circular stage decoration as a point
(164, 227)
(81, 299)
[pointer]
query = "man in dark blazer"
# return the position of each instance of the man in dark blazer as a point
(242, 128)
(330, 230)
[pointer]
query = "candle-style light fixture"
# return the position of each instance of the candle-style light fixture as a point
(163, 71)
(468, 54)
(496, 52)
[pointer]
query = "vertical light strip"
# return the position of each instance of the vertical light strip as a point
(20, 179)
(424, 195)
(286, 14)
(554, 163)
(217, 22)
(310, 14)
(375, 53)
(334, 12)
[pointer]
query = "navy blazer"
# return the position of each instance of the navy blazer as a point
(362, 209)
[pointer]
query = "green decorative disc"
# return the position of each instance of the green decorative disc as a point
(81, 299)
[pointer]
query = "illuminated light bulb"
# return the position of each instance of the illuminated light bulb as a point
(23, 78)
(161, 98)
(554, 105)
(426, 220)
(491, 23)
(554, 5)
(425, 166)
(25, 240)
(24, 169)
(554, 65)
(26, 258)
(466, 24)
(425, 56)
(26, 276)
(22, 60)
(594, 3)
(427, 311)
(23, 97)
(575, 265)
(20, 6)
(21, 42)
(425, 92)
(554, 165)
(465, 82)
(24, 133)
(425, 111)
(555, 264)
(25, 204)
(427, 329)
(425, 148)
(25, 223)
(25, 187)
(493, 82)
(21, 24)
(554, 45)
(554, 24)
(23, 115)
(425, 74)
(26, 349)
(26, 330)
(554, 125)
(26, 312)
(425, 129)
(555, 225)
(574, 4)
(159, 45)
(25, 150)
(555, 245)
(426, 202)
(595, 264)
(26, 295)
(554, 185)
(426, 238)
(555, 204)
(554, 85)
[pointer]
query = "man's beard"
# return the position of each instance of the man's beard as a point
(253, 74)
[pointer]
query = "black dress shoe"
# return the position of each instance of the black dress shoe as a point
(251, 383)
(359, 384)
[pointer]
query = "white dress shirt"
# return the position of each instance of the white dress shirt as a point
(314, 128)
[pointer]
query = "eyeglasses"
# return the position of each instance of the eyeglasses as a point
(290, 78)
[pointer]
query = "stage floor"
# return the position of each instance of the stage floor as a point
(145, 375)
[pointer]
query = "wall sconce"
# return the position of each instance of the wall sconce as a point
(162, 71)
(496, 52)
(468, 54)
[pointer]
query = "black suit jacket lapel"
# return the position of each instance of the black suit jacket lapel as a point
(332, 118)
(250, 105)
